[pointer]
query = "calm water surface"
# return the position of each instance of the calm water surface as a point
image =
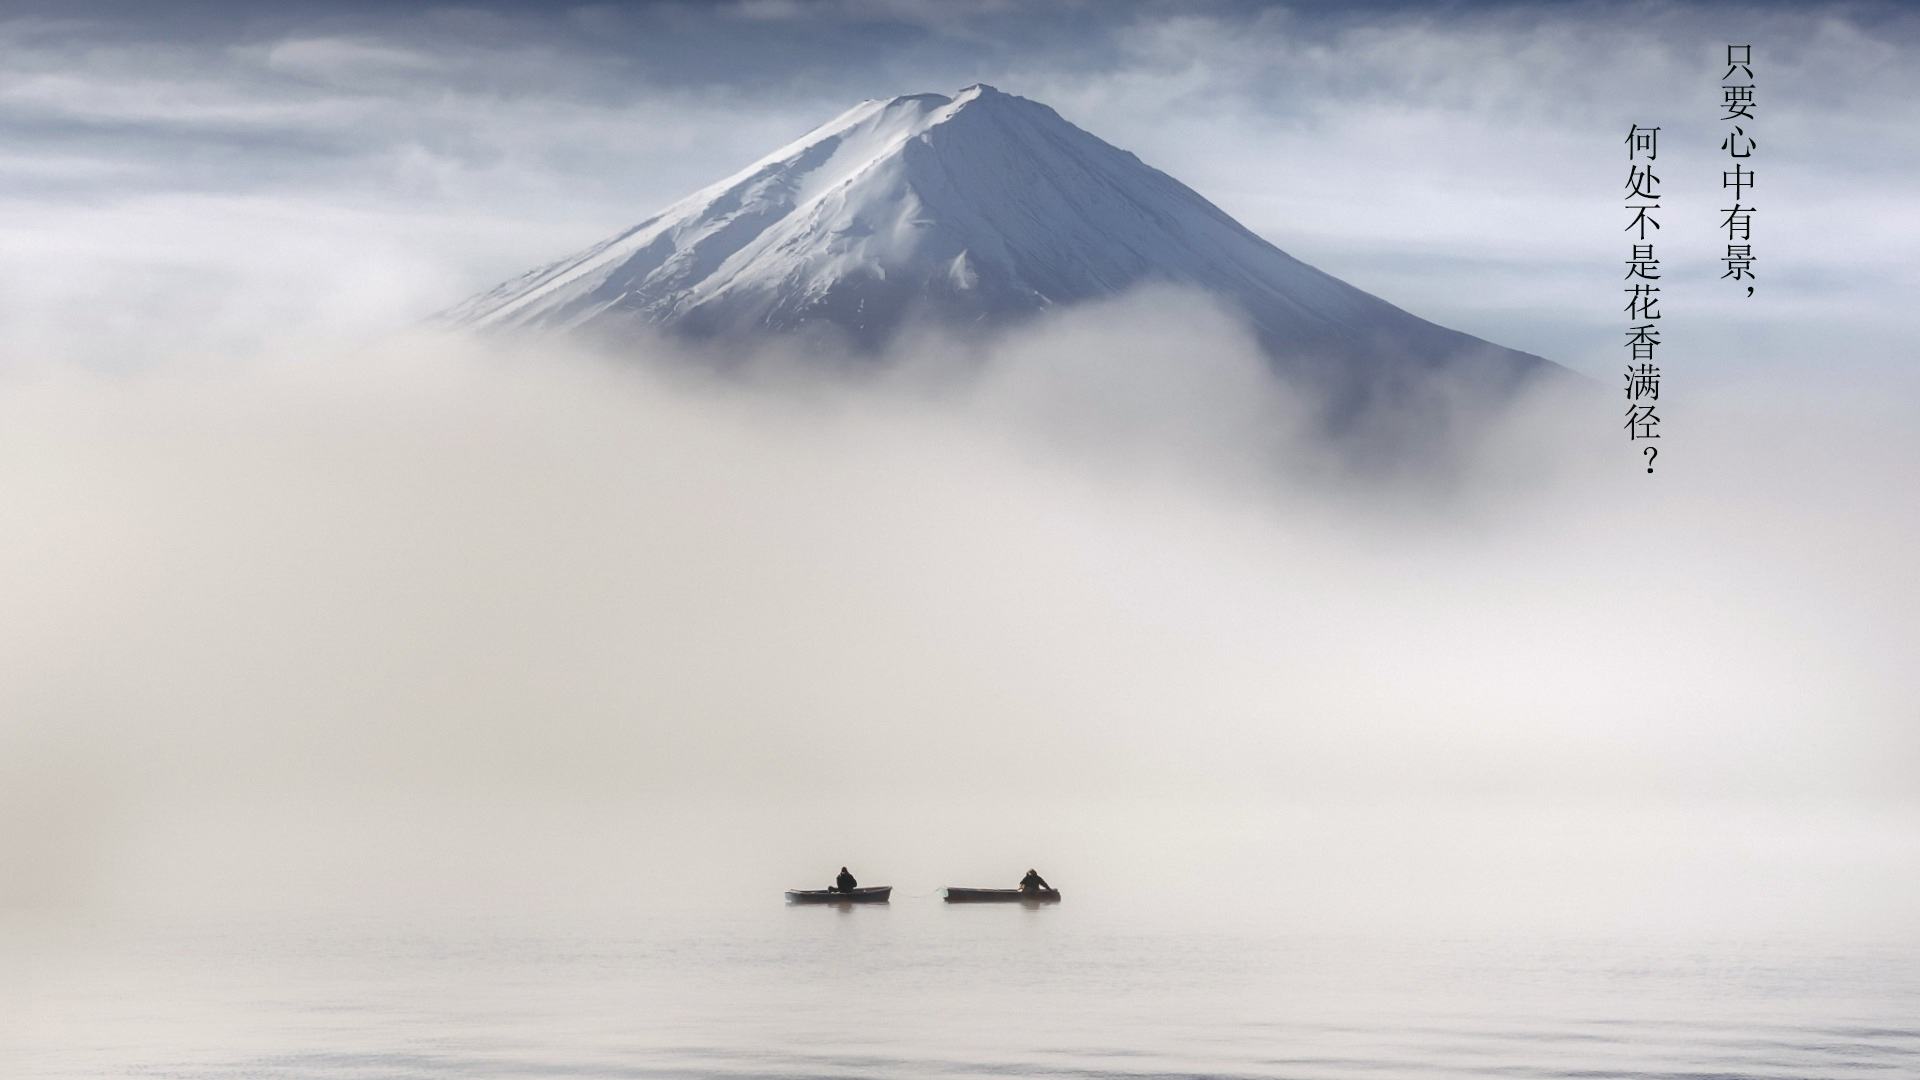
(918, 989)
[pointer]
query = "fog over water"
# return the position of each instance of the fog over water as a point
(442, 708)
(439, 625)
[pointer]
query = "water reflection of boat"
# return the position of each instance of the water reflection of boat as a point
(957, 895)
(871, 894)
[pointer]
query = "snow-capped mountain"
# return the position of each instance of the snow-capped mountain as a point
(971, 209)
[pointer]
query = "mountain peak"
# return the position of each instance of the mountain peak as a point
(964, 94)
(973, 210)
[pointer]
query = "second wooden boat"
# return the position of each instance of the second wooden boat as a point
(958, 895)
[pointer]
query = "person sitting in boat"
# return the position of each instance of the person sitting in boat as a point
(1033, 882)
(844, 883)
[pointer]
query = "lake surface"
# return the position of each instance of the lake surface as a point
(917, 989)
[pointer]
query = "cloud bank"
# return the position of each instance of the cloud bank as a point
(442, 622)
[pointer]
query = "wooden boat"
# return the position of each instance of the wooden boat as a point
(957, 895)
(866, 894)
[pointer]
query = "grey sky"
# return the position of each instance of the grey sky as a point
(350, 167)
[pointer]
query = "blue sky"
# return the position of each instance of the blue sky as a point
(344, 167)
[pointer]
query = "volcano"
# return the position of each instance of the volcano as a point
(971, 212)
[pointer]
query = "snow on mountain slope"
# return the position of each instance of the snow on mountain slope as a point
(971, 209)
